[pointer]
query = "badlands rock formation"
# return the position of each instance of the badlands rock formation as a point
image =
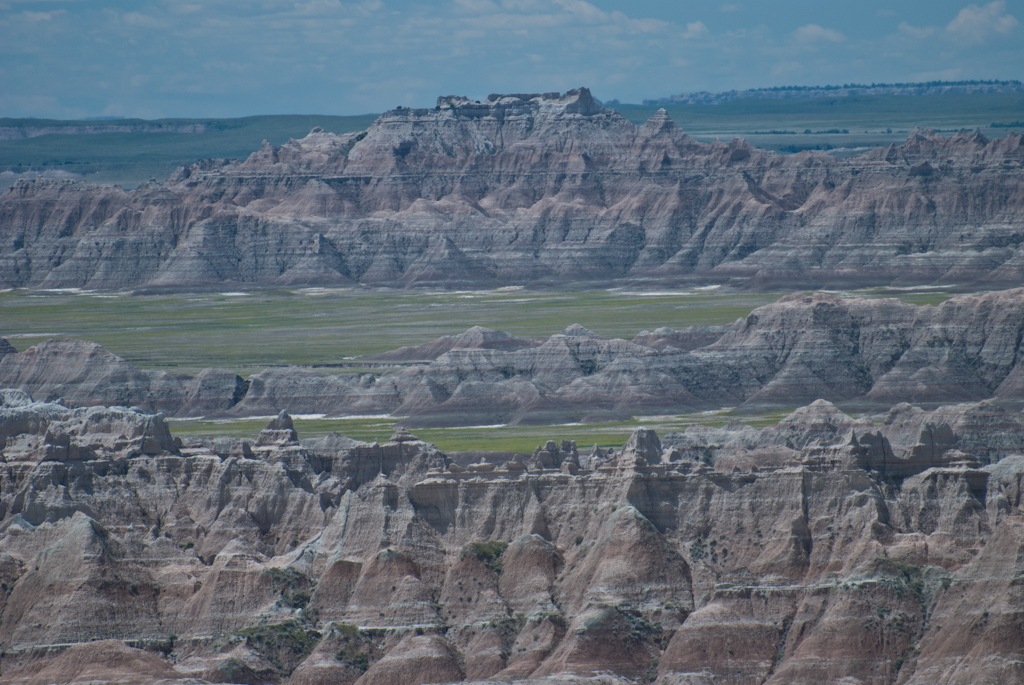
(530, 188)
(865, 353)
(821, 549)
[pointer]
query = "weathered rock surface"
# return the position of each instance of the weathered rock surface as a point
(862, 353)
(476, 338)
(821, 549)
(533, 189)
(83, 374)
(104, 661)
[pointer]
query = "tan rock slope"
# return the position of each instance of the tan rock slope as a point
(533, 188)
(864, 353)
(821, 549)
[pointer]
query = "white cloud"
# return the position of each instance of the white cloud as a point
(916, 31)
(318, 7)
(515, 22)
(525, 5)
(369, 7)
(584, 10)
(36, 17)
(730, 7)
(812, 33)
(639, 25)
(523, 16)
(139, 19)
(974, 24)
(696, 29)
(476, 6)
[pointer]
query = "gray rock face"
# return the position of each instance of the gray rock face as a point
(84, 374)
(533, 189)
(904, 439)
(477, 337)
(36, 431)
(690, 338)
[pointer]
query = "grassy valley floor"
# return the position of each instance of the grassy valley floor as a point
(336, 329)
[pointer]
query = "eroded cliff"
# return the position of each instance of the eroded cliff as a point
(533, 188)
(820, 549)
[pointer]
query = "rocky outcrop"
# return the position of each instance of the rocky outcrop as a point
(34, 432)
(866, 354)
(476, 338)
(533, 188)
(820, 549)
(690, 338)
(82, 374)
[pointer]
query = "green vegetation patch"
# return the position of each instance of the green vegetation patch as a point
(357, 660)
(518, 439)
(284, 645)
(295, 587)
(335, 329)
(350, 654)
(488, 552)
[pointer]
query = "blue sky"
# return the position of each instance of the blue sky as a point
(204, 58)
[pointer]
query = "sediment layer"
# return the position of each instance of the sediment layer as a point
(533, 188)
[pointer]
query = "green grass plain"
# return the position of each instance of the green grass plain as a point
(246, 332)
(522, 439)
(331, 327)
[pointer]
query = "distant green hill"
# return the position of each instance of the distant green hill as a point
(856, 113)
(868, 120)
(131, 158)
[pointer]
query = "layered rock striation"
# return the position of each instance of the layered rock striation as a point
(533, 188)
(821, 549)
(868, 354)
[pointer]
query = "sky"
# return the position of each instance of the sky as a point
(69, 59)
